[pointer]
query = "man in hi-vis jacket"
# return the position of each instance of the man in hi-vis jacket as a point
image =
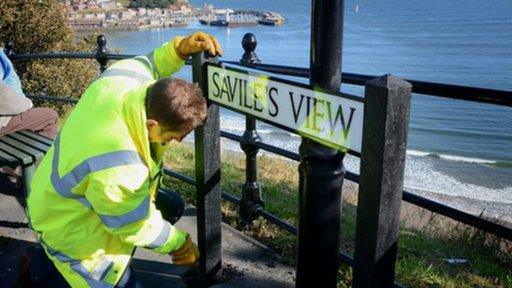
(92, 198)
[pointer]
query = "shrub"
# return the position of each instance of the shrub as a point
(38, 26)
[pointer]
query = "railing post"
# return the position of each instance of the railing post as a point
(208, 196)
(385, 128)
(101, 52)
(251, 202)
(321, 169)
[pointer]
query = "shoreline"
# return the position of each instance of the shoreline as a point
(472, 202)
(427, 241)
(124, 28)
(472, 206)
(412, 216)
(419, 218)
(168, 17)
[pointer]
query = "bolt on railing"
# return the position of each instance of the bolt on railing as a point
(8, 49)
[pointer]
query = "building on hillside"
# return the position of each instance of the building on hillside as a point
(125, 23)
(154, 22)
(94, 15)
(108, 5)
(141, 11)
(127, 14)
(82, 23)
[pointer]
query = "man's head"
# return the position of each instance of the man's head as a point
(174, 108)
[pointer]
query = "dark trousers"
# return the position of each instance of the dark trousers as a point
(37, 270)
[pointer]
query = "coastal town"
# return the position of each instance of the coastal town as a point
(114, 14)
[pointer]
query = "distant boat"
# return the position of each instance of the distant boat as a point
(356, 8)
(178, 23)
(232, 18)
(271, 19)
(232, 23)
(267, 22)
(228, 18)
(218, 23)
(270, 22)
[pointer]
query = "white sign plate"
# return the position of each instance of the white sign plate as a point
(333, 119)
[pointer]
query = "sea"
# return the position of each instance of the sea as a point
(459, 152)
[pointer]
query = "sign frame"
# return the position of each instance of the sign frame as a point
(286, 82)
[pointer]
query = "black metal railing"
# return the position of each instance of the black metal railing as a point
(251, 204)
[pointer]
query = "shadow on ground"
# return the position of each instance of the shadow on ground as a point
(245, 262)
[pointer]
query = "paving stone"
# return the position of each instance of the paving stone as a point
(245, 262)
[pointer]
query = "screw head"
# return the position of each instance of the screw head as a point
(9, 48)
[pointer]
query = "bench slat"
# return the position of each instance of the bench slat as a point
(21, 156)
(43, 147)
(6, 159)
(36, 154)
(36, 137)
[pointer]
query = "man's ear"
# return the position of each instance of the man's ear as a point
(150, 123)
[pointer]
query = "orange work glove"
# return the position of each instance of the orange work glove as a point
(197, 42)
(187, 254)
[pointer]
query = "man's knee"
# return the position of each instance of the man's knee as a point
(53, 114)
(45, 121)
(50, 115)
(41, 116)
(170, 204)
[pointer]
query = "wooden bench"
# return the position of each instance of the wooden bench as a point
(24, 149)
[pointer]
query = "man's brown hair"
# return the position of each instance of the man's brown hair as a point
(176, 104)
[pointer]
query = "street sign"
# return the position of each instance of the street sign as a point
(334, 119)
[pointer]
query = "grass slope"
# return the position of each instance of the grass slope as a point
(422, 252)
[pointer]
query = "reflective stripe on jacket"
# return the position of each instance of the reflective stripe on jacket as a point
(92, 196)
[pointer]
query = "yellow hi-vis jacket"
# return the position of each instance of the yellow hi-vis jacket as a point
(92, 196)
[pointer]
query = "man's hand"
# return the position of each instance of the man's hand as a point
(187, 254)
(197, 42)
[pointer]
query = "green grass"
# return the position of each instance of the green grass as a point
(422, 253)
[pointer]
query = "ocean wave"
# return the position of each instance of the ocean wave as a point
(464, 132)
(235, 124)
(263, 132)
(417, 153)
(421, 174)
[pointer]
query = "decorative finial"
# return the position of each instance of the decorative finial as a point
(101, 40)
(249, 44)
(101, 56)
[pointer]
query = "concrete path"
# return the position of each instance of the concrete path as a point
(245, 262)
